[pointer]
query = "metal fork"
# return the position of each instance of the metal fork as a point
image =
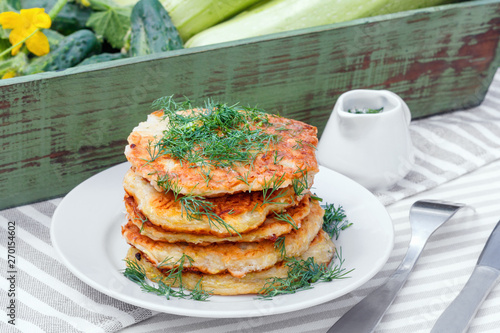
(425, 217)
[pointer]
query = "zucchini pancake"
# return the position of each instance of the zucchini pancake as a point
(218, 199)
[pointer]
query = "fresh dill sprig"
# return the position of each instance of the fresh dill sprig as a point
(143, 220)
(299, 144)
(244, 178)
(198, 293)
(302, 274)
(279, 245)
(334, 220)
(195, 207)
(254, 207)
(154, 151)
(134, 272)
(315, 197)
(169, 184)
(286, 218)
(178, 266)
(215, 134)
(271, 189)
(368, 110)
(137, 274)
(300, 184)
(276, 159)
(206, 173)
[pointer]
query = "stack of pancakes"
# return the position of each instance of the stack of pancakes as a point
(236, 222)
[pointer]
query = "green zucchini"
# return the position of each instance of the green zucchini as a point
(71, 18)
(102, 58)
(70, 52)
(282, 15)
(152, 30)
(193, 16)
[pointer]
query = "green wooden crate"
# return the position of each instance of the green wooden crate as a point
(61, 128)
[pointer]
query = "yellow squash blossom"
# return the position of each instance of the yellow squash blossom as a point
(85, 3)
(9, 75)
(27, 22)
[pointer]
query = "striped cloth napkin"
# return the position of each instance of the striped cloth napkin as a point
(49, 298)
(450, 145)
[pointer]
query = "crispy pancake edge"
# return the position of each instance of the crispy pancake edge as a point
(321, 248)
(242, 211)
(294, 152)
(271, 229)
(237, 259)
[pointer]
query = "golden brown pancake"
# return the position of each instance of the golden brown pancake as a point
(243, 212)
(237, 259)
(321, 249)
(271, 229)
(291, 157)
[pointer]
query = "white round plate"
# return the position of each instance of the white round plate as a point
(87, 236)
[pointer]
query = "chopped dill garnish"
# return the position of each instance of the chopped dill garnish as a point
(168, 184)
(244, 178)
(363, 111)
(206, 173)
(192, 206)
(195, 207)
(143, 220)
(286, 218)
(315, 197)
(198, 293)
(153, 151)
(279, 245)
(276, 159)
(134, 272)
(271, 189)
(299, 144)
(334, 220)
(212, 136)
(300, 184)
(137, 274)
(302, 274)
(215, 134)
(254, 207)
(178, 265)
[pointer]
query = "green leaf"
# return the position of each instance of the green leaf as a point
(103, 4)
(15, 4)
(112, 23)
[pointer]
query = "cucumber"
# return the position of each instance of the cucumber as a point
(70, 52)
(71, 18)
(152, 30)
(102, 58)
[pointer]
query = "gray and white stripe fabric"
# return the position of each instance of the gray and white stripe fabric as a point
(458, 159)
(50, 298)
(450, 145)
(439, 275)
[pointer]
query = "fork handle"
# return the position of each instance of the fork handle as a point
(459, 314)
(366, 315)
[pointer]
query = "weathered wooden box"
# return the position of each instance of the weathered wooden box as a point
(58, 129)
